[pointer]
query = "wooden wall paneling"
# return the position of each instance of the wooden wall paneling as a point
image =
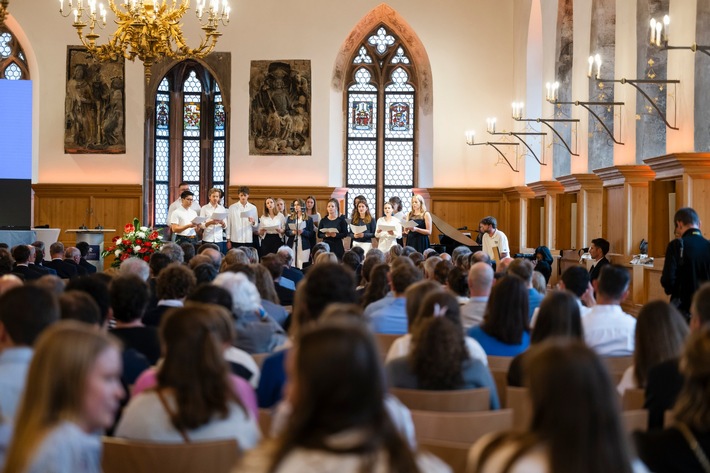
(613, 218)
(549, 191)
(534, 226)
(564, 221)
(637, 215)
(517, 199)
(466, 207)
(588, 191)
(658, 211)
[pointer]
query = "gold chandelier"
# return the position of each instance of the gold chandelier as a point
(3, 11)
(149, 30)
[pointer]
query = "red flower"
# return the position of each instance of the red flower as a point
(129, 228)
(116, 238)
(125, 256)
(146, 258)
(127, 242)
(154, 235)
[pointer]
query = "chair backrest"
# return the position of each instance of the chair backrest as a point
(121, 456)
(454, 454)
(617, 365)
(635, 420)
(668, 419)
(265, 422)
(384, 342)
(465, 400)
(633, 399)
(260, 357)
(499, 363)
(518, 399)
(462, 427)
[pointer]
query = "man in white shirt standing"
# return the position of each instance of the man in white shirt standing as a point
(213, 229)
(608, 330)
(242, 221)
(181, 220)
(182, 187)
(493, 239)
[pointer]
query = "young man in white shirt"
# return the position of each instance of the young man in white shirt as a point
(181, 220)
(493, 238)
(242, 221)
(213, 229)
(182, 187)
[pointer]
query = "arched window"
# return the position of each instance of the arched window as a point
(381, 121)
(190, 129)
(13, 65)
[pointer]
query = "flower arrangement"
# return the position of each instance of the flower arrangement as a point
(136, 242)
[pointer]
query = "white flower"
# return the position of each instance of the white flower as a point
(144, 229)
(136, 248)
(140, 235)
(118, 253)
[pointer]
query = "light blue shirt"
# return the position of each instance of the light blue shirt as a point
(14, 363)
(391, 318)
(67, 449)
(534, 300)
(371, 308)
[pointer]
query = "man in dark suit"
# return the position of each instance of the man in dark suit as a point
(598, 251)
(83, 248)
(21, 254)
(289, 272)
(687, 262)
(72, 256)
(64, 270)
(32, 262)
(275, 264)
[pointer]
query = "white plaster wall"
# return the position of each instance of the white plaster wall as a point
(469, 45)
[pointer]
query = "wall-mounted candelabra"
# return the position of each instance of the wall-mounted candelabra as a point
(519, 135)
(470, 140)
(660, 30)
(552, 90)
(549, 122)
(636, 84)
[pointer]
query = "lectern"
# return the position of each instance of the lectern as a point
(95, 238)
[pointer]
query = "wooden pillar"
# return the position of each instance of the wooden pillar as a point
(687, 175)
(516, 213)
(549, 191)
(625, 206)
(587, 192)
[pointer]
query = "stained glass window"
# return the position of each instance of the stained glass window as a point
(191, 123)
(381, 125)
(13, 65)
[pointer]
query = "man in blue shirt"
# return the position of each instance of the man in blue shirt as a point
(524, 270)
(391, 317)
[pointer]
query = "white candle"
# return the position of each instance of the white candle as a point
(76, 16)
(591, 63)
(548, 87)
(470, 135)
(666, 24)
(598, 61)
(61, 6)
(659, 27)
(653, 29)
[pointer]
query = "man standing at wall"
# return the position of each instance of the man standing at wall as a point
(598, 250)
(495, 243)
(687, 263)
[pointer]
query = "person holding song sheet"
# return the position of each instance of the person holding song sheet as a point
(299, 231)
(418, 236)
(184, 220)
(388, 229)
(216, 220)
(362, 227)
(272, 226)
(333, 228)
(242, 221)
(312, 212)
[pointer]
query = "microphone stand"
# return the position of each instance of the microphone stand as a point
(295, 258)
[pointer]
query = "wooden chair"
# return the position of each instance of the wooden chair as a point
(121, 455)
(633, 399)
(518, 399)
(265, 422)
(454, 454)
(466, 400)
(668, 419)
(635, 420)
(499, 363)
(384, 342)
(617, 365)
(260, 357)
(499, 370)
(460, 427)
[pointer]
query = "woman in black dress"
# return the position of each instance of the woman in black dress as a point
(333, 220)
(418, 237)
(271, 228)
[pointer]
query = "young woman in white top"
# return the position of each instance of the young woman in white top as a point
(72, 393)
(272, 226)
(387, 238)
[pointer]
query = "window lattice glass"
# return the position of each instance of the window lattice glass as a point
(189, 144)
(13, 65)
(381, 122)
(370, 194)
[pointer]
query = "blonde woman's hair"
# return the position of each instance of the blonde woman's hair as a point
(63, 356)
(422, 205)
(326, 257)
